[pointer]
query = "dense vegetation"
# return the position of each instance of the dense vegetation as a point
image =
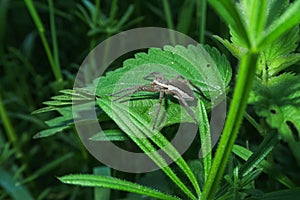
(252, 43)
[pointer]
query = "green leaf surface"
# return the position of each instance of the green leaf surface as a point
(139, 131)
(57, 124)
(222, 63)
(189, 62)
(279, 54)
(264, 165)
(63, 104)
(286, 21)
(235, 50)
(195, 63)
(110, 135)
(231, 15)
(276, 9)
(254, 20)
(113, 183)
(43, 110)
(57, 103)
(264, 148)
(276, 55)
(279, 103)
(205, 138)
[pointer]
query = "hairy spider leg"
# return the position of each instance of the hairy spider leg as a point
(147, 88)
(194, 86)
(158, 76)
(186, 106)
(161, 96)
(153, 75)
(123, 90)
(199, 90)
(131, 89)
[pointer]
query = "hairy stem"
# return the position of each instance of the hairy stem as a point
(237, 109)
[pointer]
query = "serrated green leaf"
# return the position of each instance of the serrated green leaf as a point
(236, 51)
(266, 166)
(62, 98)
(223, 64)
(276, 56)
(83, 93)
(68, 91)
(57, 103)
(61, 101)
(260, 153)
(113, 183)
(205, 138)
(289, 19)
(43, 110)
(139, 131)
(284, 45)
(276, 9)
(109, 135)
(281, 62)
(189, 62)
(50, 132)
(253, 16)
(279, 103)
(57, 124)
(230, 14)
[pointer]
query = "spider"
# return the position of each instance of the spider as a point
(178, 87)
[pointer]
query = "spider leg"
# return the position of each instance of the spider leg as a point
(147, 88)
(194, 86)
(161, 96)
(124, 90)
(131, 91)
(199, 90)
(186, 106)
(126, 94)
(152, 75)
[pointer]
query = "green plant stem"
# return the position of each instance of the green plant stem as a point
(227, 10)
(55, 69)
(53, 34)
(11, 134)
(113, 10)
(237, 108)
(201, 15)
(95, 17)
(289, 19)
(168, 15)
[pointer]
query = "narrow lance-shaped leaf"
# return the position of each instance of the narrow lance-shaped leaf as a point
(131, 124)
(113, 183)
